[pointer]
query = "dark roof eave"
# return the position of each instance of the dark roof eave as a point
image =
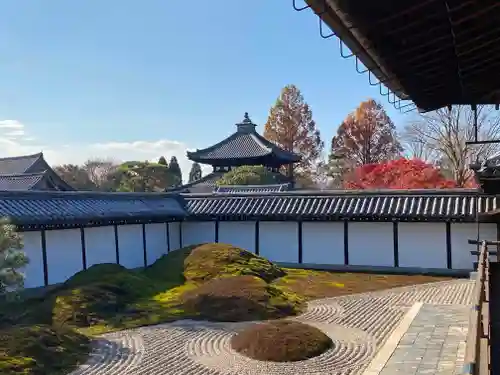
(337, 22)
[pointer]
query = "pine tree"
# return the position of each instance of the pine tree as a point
(12, 257)
(290, 125)
(175, 170)
(195, 173)
(162, 161)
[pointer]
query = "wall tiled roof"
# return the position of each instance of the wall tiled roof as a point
(236, 189)
(432, 205)
(73, 208)
(66, 208)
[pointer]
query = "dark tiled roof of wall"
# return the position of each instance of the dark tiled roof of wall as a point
(429, 205)
(66, 208)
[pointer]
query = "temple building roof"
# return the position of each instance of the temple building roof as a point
(208, 184)
(29, 172)
(244, 147)
(435, 53)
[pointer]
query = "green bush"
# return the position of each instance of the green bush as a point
(41, 350)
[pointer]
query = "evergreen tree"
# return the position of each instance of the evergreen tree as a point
(12, 257)
(162, 161)
(195, 173)
(175, 170)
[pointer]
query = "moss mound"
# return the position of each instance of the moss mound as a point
(240, 298)
(281, 341)
(89, 305)
(40, 350)
(109, 273)
(170, 267)
(213, 260)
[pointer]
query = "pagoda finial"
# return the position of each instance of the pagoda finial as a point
(246, 125)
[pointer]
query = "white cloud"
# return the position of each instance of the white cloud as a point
(78, 153)
(11, 124)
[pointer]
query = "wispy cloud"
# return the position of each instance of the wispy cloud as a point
(11, 124)
(15, 140)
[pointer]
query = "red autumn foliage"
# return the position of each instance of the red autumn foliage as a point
(398, 174)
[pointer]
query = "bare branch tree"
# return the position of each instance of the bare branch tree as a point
(98, 170)
(442, 137)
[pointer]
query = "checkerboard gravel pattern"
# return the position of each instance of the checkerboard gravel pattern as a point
(358, 324)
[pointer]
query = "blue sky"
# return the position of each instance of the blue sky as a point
(131, 79)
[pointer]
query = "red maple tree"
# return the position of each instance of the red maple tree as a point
(398, 174)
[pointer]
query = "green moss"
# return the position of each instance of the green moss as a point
(169, 268)
(281, 341)
(41, 350)
(213, 260)
(240, 298)
(89, 305)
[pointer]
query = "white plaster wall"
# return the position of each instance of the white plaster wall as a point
(64, 254)
(100, 245)
(422, 245)
(323, 243)
(371, 244)
(278, 241)
(33, 271)
(194, 233)
(174, 237)
(156, 241)
(238, 233)
(130, 245)
(461, 233)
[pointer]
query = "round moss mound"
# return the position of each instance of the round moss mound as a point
(135, 283)
(89, 305)
(213, 260)
(41, 349)
(281, 341)
(240, 298)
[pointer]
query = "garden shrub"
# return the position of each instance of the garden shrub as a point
(41, 350)
(212, 260)
(281, 341)
(240, 298)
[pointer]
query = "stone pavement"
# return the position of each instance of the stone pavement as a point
(433, 344)
(412, 330)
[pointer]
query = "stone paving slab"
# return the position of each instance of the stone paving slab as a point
(359, 326)
(433, 344)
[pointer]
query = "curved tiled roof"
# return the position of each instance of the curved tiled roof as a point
(22, 181)
(19, 164)
(245, 143)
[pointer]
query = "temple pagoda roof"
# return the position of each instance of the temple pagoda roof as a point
(244, 147)
(29, 172)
